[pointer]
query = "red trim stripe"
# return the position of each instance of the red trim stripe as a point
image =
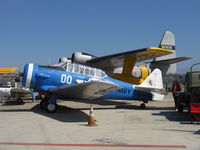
(92, 145)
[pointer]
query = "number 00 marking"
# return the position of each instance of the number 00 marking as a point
(66, 79)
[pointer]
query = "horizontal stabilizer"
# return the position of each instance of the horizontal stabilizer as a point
(148, 89)
(171, 61)
(86, 90)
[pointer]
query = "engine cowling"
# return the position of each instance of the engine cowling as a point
(141, 72)
(64, 60)
(80, 57)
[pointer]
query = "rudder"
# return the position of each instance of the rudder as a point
(168, 41)
(154, 80)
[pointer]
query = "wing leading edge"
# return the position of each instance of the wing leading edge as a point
(127, 59)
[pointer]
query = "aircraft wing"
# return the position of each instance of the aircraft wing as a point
(19, 91)
(8, 69)
(127, 59)
(87, 90)
(171, 61)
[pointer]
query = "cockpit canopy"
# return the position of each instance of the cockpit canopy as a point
(84, 70)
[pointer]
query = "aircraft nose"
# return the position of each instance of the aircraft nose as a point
(28, 75)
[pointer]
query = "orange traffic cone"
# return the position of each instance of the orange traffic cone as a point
(91, 120)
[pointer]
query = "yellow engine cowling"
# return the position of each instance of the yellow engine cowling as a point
(144, 73)
(138, 75)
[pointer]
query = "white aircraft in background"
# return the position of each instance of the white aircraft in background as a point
(17, 93)
(7, 91)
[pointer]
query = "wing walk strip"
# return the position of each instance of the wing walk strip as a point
(92, 145)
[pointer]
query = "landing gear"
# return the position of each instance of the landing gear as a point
(19, 100)
(49, 104)
(51, 108)
(143, 106)
(43, 104)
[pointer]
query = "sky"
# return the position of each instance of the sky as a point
(34, 31)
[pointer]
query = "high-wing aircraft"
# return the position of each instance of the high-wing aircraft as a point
(167, 63)
(84, 82)
(122, 66)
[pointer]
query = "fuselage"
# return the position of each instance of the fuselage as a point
(43, 78)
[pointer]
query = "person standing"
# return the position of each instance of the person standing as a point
(175, 88)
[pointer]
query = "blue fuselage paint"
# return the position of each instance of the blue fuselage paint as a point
(45, 78)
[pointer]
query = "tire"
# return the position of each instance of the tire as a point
(142, 106)
(19, 100)
(51, 108)
(180, 109)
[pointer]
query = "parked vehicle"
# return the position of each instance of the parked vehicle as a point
(190, 98)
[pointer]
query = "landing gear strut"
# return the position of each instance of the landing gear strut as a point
(49, 104)
(43, 104)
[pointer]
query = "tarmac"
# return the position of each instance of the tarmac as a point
(120, 125)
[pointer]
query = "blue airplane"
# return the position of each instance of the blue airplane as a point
(84, 77)
(84, 82)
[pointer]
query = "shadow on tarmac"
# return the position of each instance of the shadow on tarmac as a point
(182, 118)
(106, 102)
(197, 132)
(119, 104)
(137, 107)
(10, 102)
(175, 116)
(67, 114)
(179, 130)
(63, 114)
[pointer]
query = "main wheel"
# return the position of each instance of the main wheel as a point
(51, 108)
(143, 106)
(19, 100)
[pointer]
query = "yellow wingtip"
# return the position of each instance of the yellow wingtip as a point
(160, 50)
(8, 69)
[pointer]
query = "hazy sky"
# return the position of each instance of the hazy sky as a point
(34, 30)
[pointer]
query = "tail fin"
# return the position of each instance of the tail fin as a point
(168, 41)
(154, 80)
(154, 84)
